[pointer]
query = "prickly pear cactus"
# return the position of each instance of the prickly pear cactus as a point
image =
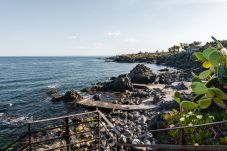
(211, 84)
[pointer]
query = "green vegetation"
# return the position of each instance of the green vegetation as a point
(191, 135)
(147, 55)
(207, 135)
(223, 140)
(210, 87)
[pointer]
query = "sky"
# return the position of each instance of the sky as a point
(106, 27)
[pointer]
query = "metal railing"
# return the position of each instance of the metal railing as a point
(216, 129)
(93, 131)
(72, 132)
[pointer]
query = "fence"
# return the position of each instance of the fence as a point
(203, 137)
(72, 132)
(93, 131)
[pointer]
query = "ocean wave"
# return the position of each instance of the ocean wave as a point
(7, 120)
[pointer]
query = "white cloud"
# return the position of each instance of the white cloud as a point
(72, 37)
(98, 45)
(131, 40)
(118, 33)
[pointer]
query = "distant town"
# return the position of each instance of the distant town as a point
(187, 47)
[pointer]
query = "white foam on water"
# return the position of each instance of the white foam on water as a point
(6, 105)
(15, 120)
(52, 86)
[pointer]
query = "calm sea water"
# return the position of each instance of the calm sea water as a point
(24, 82)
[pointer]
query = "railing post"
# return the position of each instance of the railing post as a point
(29, 136)
(116, 143)
(181, 137)
(67, 133)
(98, 131)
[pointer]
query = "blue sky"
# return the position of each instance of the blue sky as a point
(106, 27)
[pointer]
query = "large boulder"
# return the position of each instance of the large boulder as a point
(72, 96)
(121, 83)
(142, 74)
(167, 77)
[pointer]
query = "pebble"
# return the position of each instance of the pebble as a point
(136, 114)
(128, 133)
(147, 142)
(123, 139)
(135, 141)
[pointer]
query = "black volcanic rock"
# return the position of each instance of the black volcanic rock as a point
(142, 74)
(71, 96)
(56, 97)
(121, 83)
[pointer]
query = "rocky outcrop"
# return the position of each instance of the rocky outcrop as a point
(56, 97)
(72, 96)
(121, 83)
(97, 97)
(167, 77)
(52, 91)
(54, 94)
(142, 74)
(182, 60)
(132, 58)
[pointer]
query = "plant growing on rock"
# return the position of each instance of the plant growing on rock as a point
(192, 135)
(211, 84)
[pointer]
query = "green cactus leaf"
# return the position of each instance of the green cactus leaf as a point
(205, 103)
(210, 93)
(199, 88)
(216, 58)
(208, 51)
(199, 56)
(177, 97)
(219, 45)
(205, 74)
(220, 103)
(218, 93)
(189, 105)
(195, 79)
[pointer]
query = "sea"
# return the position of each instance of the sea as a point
(24, 82)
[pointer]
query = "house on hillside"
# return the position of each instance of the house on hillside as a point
(194, 46)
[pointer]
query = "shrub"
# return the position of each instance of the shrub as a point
(190, 135)
(209, 85)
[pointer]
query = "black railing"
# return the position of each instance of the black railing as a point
(89, 131)
(216, 129)
(71, 132)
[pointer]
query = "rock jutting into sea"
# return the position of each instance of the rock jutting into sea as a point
(142, 74)
(70, 96)
(156, 89)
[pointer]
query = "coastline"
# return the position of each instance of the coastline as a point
(120, 90)
(134, 125)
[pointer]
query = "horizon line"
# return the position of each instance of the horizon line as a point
(56, 56)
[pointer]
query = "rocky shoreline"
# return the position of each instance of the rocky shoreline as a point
(176, 59)
(134, 126)
(181, 60)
